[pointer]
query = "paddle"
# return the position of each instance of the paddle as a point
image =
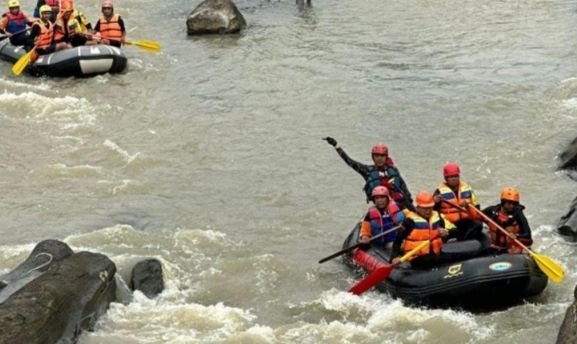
(24, 61)
(14, 34)
(549, 267)
(345, 250)
(151, 46)
(383, 273)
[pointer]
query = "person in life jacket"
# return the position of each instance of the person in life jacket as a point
(72, 26)
(509, 215)
(15, 24)
(455, 191)
(421, 225)
(54, 6)
(383, 172)
(383, 216)
(42, 32)
(110, 27)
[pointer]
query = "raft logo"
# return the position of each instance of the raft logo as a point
(454, 271)
(500, 266)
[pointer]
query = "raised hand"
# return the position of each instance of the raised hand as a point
(331, 141)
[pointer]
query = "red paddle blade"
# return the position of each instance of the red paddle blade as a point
(372, 279)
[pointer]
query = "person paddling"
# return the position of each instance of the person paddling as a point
(110, 26)
(454, 191)
(15, 24)
(424, 224)
(509, 215)
(383, 216)
(383, 172)
(42, 33)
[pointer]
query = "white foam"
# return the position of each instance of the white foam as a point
(114, 147)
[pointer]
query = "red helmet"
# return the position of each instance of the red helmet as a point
(425, 200)
(107, 4)
(380, 149)
(380, 191)
(451, 169)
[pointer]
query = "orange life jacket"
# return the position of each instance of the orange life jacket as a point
(71, 26)
(424, 230)
(44, 40)
(465, 192)
(508, 223)
(110, 29)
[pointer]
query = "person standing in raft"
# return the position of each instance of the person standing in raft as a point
(383, 172)
(110, 28)
(382, 217)
(509, 215)
(14, 23)
(42, 33)
(421, 225)
(457, 192)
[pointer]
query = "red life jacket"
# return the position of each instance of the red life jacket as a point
(52, 3)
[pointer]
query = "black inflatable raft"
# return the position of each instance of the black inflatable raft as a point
(470, 281)
(79, 61)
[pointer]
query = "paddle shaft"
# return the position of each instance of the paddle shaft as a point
(345, 250)
(15, 33)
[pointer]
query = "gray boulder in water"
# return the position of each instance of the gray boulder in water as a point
(567, 226)
(568, 158)
(215, 16)
(59, 301)
(147, 277)
(45, 254)
(568, 331)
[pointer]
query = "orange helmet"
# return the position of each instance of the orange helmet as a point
(510, 194)
(380, 191)
(107, 4)
(380, 149)
(451, 169)
(424, 199)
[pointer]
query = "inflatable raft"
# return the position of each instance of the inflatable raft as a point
(79, 61)
(470, 281)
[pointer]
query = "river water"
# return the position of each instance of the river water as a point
(208, 156)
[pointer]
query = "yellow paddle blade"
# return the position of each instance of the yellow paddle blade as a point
(549, 267)
(22, 63)
(151, 46)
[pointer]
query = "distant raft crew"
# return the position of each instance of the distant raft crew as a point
(15, 23)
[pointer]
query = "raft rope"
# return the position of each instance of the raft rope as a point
(50, 259)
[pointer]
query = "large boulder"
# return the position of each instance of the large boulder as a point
(567, 226)
(568, 158)
(568, 331)
(58, 304)
(45, 254)
(215, 16)
(147, 277)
